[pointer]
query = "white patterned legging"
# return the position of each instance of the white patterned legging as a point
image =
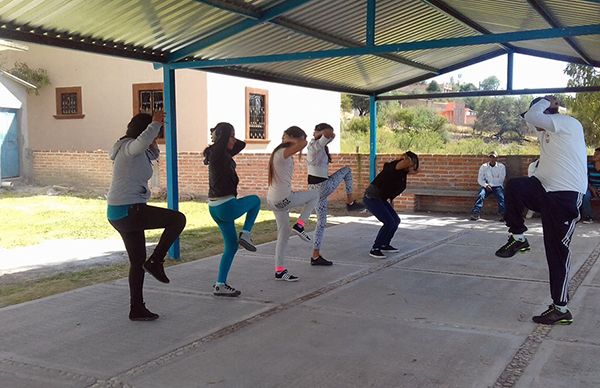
(325, 189)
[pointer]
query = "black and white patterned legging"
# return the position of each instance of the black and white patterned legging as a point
(325, 189)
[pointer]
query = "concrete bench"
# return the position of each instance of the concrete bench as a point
(420, 192)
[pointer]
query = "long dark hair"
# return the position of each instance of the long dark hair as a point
(137, 125)
(322, 127)
(414, 158)
(293, 132)
(220, 133)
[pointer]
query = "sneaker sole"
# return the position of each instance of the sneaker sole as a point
(563, 322)
(377, 257)
(247, 246)
(321, 265)
(229, 295)
(143, 319)
(392, 251)
(287, 280)
(302, 237)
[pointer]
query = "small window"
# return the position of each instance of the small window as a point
(148, 98)
(68, 103)
(257, 113)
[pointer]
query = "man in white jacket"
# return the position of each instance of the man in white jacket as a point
(555, 191)
(491, 179)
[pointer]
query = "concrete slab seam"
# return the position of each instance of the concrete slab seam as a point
(524, 355)
(46, 371)
(171, 356)
(473, 275)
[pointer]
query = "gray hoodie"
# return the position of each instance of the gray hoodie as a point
(132, 167)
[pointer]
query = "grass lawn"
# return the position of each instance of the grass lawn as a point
(29, 220)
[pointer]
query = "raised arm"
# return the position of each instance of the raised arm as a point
(296, 146)
(146, 138)
(237, 147)
(536, 116)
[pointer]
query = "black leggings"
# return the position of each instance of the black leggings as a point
(131, 228)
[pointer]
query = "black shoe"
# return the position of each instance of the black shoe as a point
(512, 247)
(376, 253)
(139, 312)
(553, 316)
(225, 290)
(587, 220)
(285, 276)
(320, 261)
(389, 248)
(299, 230)
(155, 268)
(501, 219)
(355, 206)
(474, 216)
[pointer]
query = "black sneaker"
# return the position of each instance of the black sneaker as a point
(588, 220)
(355, 206)
(389, 248)
(285, 276)
(376, 253)
(512, 247)
(299, 230)
(474, 216)
(139, 312)
(246, 242)
(155, 268)
(553, 316)
(225, 290)
(320, 261)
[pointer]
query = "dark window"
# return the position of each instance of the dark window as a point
(148, 98)
(256, 115)
(68, 103)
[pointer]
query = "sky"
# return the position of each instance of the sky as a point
(528, 72)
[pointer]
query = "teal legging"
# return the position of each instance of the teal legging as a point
(225, 215)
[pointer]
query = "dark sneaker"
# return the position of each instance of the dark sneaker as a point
(355, 206)
(376, 253)
(389, 248)
(501, 219)
(225, 290)
(139, 312)
(320, 261)
(588, 220)
(553, 316)
(299, 230)
(474, 216)
(245, 240)
(155, 268)
(285, 276)
(512, 247)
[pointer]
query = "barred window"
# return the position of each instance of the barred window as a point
(149, 98)
(257, 108)
(68, 103)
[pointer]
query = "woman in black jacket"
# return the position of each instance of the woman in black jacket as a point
(223, 204)
(386, 186)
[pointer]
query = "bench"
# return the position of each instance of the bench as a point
(419, 192)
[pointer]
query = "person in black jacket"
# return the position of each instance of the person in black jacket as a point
(223, 204)
(386, 186)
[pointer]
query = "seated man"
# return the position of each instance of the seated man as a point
(593, 190)
(491, 179)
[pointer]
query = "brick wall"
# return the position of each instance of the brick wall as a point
(92, 170)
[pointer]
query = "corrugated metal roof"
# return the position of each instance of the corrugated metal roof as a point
(155, 29)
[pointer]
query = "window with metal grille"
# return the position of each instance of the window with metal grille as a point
(257, 108)
(68, 103)
(148, 98)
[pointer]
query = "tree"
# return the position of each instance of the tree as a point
(361, 104)
(501, 114)
(433, 87)
(490, 83)
(585, 106)
(346, 103)
(468, 87)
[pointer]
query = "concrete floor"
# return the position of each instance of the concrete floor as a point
(443, 312)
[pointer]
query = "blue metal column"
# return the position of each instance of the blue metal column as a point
(171, 145)
(372, 137)
(509, 71)
(370, 39)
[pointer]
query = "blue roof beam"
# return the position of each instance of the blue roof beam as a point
(235, 29)
(551, 20)
(370, 38)
(516, 36)
(248, 11)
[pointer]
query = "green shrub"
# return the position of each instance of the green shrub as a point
(357, 125)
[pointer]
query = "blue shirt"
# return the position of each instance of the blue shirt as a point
(593, 176)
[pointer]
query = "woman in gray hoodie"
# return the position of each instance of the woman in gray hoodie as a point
(128, 212)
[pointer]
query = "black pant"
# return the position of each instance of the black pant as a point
(131, 228)
(560, 213)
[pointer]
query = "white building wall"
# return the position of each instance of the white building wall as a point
(288, 105)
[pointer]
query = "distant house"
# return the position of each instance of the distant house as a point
(458, 114)
(92, 98)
